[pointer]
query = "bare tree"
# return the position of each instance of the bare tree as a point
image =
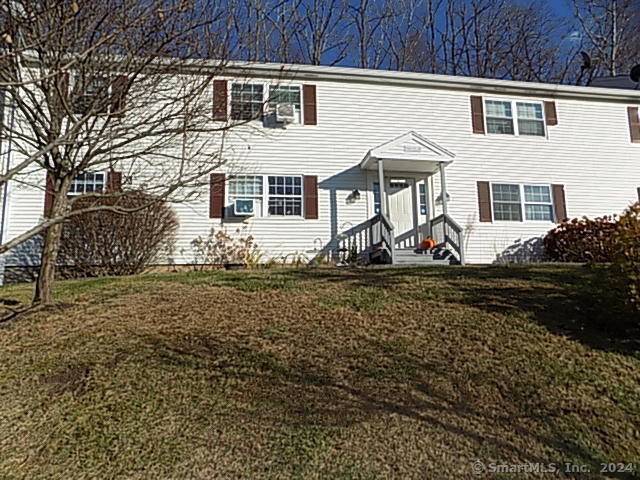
(118, 85)
(609, 30)
(366, 19)
(409, 35)
(324, 38)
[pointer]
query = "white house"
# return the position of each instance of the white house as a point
(386, 159)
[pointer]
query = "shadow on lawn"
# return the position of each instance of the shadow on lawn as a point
(300, 393)
(574, 301)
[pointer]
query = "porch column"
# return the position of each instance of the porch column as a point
(383, 196)
(431, 203)
(443, 188)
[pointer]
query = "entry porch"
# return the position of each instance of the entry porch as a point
(405, 170)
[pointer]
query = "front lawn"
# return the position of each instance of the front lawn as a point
(319, 373)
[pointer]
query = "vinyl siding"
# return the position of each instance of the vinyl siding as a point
(589, 152)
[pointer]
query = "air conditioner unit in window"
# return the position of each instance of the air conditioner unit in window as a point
(285, 112)
(243, 207)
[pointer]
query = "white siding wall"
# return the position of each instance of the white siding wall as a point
(589, 152)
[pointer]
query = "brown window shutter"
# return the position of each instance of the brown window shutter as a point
(551, 116)
(220, 100)
(48, 194)
(559, 202)
(309, 105)
(639, 194)
(310, 186)
(634, 124)
(484, 202)
(477, 114)
(216, 195)
(114, 181)
(119, 88)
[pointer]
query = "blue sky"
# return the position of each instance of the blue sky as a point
(561, 7)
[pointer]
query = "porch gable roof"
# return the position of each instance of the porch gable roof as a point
(410, 152)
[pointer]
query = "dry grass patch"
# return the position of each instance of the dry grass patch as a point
(316, 373)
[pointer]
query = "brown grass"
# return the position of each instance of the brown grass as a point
(318, 373)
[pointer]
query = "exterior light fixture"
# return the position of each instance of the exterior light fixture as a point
(355, 195)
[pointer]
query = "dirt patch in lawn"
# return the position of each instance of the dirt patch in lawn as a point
(407, 373)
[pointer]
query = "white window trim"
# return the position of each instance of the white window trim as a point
(261, 196)
(109, 81)
(104, 184)
(265, 194)
(523, 203)
(266, 89)
(514, 117)
(230, 100)
(299, 85)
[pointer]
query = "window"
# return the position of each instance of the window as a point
(246, 101)
(537, 203)
(376, 198)
(247, 187)
(423, 198)
(86, 183)
(91, 95)
(285, 94)
(398, 184)
(500, 118)
(285, 195)
(530, 120)
(508, 202)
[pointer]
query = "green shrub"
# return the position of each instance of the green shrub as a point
(582, 240)
(609, 239)
(626, 253)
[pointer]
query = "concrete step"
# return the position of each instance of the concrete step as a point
(414, 262)
(408, 256)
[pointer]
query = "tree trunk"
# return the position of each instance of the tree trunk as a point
(44, 285)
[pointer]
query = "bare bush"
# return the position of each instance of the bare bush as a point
(105, 243)
(222, 248)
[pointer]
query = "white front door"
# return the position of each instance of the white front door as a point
(402, 212)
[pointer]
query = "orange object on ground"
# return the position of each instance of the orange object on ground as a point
(428, 243)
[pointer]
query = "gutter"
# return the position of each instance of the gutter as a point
(431, 81)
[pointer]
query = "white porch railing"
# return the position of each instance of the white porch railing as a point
(447, 233)
(364, 238)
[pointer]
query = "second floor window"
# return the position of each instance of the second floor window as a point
(530, 120)
(91, 95)
(514, 118)
(247, 100)
(499, 117)
(285, 94)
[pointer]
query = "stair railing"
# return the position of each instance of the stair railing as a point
(377, 231)
(447, 233)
